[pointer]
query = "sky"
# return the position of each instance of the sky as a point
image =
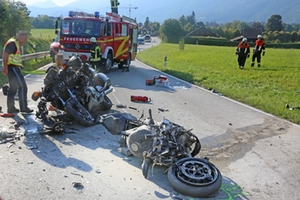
(57, 2)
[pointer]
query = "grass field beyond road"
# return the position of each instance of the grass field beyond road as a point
(269, 88)
(43, 33)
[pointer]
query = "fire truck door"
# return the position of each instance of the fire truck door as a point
(107, 36)
(121, 40)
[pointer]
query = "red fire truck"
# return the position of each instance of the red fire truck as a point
(117, 36)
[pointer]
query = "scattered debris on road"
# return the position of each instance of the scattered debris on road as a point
(134, 98)
(32, 147)
(78, 185)
(132, 108)
(121, 106)
(163, 110)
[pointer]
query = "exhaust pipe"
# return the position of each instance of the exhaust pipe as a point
(109, 90)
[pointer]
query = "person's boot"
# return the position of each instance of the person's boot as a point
(258, 65)
(27, 110)
(12, 110)
(252, 64)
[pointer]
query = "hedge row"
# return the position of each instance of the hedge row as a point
(224, 42)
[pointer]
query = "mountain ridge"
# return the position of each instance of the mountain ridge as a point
(206, 10)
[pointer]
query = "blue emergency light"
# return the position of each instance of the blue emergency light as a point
(71, 13)
(97, 14)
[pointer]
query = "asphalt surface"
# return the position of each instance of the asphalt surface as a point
(257, 153)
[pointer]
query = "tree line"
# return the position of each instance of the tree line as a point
(14, 16)
(274, 30)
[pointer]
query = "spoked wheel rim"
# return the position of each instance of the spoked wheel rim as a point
(196, 172)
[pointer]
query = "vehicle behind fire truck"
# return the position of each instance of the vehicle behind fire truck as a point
(117, 36)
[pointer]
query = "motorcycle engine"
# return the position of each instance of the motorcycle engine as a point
(93, 98)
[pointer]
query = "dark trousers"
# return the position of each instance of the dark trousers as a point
(242, 59)
(16, 83)
(256, 55)
(96, 64)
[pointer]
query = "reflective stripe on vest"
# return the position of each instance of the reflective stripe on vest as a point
(14, 59)
(95, 52)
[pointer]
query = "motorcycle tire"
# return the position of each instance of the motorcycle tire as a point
(185, 180)
(78, 115)
(106, 104)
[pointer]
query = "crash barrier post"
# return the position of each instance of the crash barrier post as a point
(30, 56)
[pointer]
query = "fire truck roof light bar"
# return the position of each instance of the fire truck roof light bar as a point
(83, 14)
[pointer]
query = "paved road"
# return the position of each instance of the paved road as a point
(257, 153)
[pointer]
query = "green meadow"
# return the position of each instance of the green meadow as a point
(43, 33)
(269, 88)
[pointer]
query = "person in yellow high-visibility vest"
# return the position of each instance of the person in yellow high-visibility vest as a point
(12, 62)
(114, 6)
(96, 54)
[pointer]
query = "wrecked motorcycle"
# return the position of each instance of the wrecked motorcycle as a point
(80, 95)
(171, 145)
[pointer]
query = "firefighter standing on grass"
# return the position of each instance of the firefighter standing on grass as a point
(258, 50)
(243, 52)
(95, 58)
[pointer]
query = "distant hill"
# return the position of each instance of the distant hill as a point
(206, 10)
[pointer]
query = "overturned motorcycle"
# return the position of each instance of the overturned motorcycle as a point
(75, 92)
(171, 145)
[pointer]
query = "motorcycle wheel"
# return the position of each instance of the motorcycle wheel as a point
(106, 104)
(195, 177)
(79, 114)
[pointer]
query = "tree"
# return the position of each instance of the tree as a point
(171, 29)
(14, 16)
(147, 22)
(200, 24)
(191, 18)
(182, 21)
(42, 21)
(274, 23)
(258, 25)
(189, 28)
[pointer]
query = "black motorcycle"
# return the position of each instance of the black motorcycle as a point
(171, 145)
(78, 91)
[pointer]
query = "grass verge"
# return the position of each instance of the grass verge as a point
(30, 67)
(268, 88)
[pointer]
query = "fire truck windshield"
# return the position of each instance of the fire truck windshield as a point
(83, 27)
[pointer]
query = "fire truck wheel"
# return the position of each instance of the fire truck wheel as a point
(108, 63)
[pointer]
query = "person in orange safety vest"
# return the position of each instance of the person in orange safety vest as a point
(258, 50)
(243, 52)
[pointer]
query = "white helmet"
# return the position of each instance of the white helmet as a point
(244, 39)
(93, 39)
(259, 36)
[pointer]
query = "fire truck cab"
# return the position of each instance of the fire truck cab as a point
(117, 36)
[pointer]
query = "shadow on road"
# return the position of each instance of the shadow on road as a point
(49, 147)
